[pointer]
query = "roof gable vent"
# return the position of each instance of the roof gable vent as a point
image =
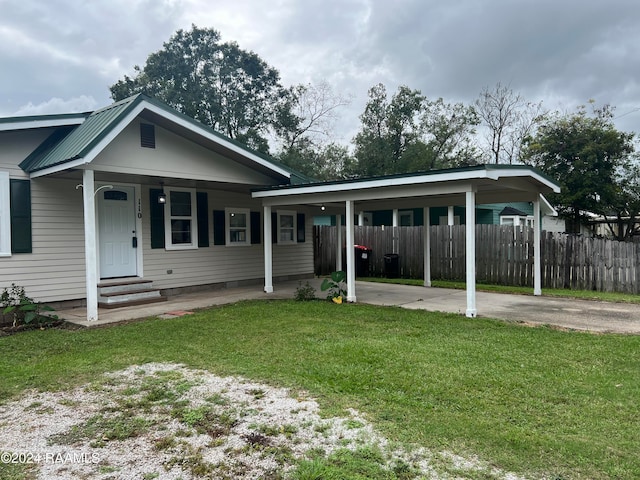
(147, 135)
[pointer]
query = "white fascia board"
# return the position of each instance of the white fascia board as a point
(30, 124)
(210, 136)
(546, 207)
(58, 168)
(371, 184)
(363, 195)
(504, 173)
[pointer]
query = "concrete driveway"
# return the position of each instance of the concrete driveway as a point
(573, 314)
(566, 313)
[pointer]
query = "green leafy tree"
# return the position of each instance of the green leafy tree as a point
(411, 133)
(586, 155)
(230, 89)
(325, 162)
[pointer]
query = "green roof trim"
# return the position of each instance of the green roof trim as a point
(44, 118)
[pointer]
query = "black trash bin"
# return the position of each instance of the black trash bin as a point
(363, 256)
(392, 265)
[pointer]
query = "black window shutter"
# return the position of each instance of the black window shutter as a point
(157, 219)
(20, 206)
(274, 227)
(218, 227)
(203, 219)
(300, 226)
(255, 228)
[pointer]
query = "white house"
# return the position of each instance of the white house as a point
(143, 197)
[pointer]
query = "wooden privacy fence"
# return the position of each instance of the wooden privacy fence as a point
(504, 255)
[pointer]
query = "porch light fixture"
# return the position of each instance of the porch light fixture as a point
(162, 197)
(322, 208)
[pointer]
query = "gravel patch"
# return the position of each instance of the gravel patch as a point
(165, 421)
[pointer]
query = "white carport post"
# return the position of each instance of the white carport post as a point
(450, 216)
(537, 261)
(339, 242)
(351, 264)
(268, 251)
(90, 246)
(427, 245)
(470, 230)
(395, 222)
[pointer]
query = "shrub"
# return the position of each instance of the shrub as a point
(24, 310)
(305, 292)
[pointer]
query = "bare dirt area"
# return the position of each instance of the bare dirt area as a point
(165, 421)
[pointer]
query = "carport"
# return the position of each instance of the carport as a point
(452, 187)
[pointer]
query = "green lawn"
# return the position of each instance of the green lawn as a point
(534, 401)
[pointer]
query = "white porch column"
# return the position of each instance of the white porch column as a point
(537, 261)
(351, 264)
(339, 243)
(470, 230)
(427, 246)
(360, 218)
(90, 245)
(268, 251)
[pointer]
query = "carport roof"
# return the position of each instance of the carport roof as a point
(491, 183)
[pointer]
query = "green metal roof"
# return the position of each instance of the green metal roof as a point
(65, 146)
(82, 139)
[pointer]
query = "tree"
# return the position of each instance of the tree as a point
(305, 130)
(230, 89)
(411, 133)
(326, 162)
(623, 221)
(585, 154)
(508, 120)
(310, 112)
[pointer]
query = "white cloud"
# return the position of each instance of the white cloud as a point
(83, 103)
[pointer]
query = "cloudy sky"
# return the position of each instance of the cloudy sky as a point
(62, 55)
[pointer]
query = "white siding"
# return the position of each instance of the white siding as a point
(221, 263)
(55, 269)
(16, 146)
(174, 156)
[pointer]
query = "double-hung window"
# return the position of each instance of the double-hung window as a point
(181, 227)
(238, 226)
(287, 226)
(5, 215)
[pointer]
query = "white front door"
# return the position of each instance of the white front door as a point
(117, 232)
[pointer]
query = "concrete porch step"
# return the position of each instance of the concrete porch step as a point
(124, 293)
(111, 286)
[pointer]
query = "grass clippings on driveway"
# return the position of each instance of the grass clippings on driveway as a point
(535, 401)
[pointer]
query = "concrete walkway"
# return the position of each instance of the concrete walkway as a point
(565, 313)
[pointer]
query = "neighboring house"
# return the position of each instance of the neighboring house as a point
(110, 207)
(135, 154)
(515, 213)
